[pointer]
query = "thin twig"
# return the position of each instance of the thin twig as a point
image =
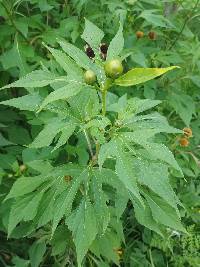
(184, 24)
(151, 258)
(12, 21)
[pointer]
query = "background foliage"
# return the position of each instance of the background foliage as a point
(24, 26)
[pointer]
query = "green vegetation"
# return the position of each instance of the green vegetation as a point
(99, 141)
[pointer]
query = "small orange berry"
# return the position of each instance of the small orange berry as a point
(152, 35)
(184, 142)
(187, 132)
(139, 34)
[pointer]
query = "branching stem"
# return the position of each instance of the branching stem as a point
(188, 17)
(12, 22)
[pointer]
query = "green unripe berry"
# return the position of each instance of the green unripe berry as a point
(113, 68)
(90, 77)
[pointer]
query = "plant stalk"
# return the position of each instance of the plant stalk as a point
(104, 88)
(104, 94)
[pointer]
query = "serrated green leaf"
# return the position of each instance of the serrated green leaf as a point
(89, 104)
(45, 209)
(139, 136)
(92, 34)
(4, 141)
(158, 151)
(100, 206)
(107, 244)
(58, 242)
(163, 213)
(161, 152)
(144, 216)
(71, 68)
(25, 185)
(116, 45)
(149, 121)
(36, 253)
(139, 105)
(83, 60)
(25, 208)
(31, 209)
(16, 213)
(82, 223)
(66, 132)
(156, 19)
(107, 150)
(141, 75)
(37, 78)
(126, 173)
(123, 166)
(78, 55)
(64, 92)
(64, 202)
(149, 174)
(46, 136)
(29, 102)
(184, 106)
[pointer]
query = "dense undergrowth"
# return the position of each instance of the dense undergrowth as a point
(94, 181)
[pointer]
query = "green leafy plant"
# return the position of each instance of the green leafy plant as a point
(112, 152)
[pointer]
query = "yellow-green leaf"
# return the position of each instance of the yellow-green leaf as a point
(141, 75)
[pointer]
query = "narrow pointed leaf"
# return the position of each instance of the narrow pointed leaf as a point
(116, 45)
(141, 75)
(78, 55)
(25, 185)
(37, 78)
(83, 225)
(164, 214)
(46, 136)
(100, 206)
(64, 202)
(92, 34)
(71, 68)
(64, 92)
(144, 216)
(29, 102)
(66, 133)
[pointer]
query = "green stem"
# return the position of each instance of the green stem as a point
(151, 258)
(188, 17)
(104, 88)
(104, 94)
(12, 21)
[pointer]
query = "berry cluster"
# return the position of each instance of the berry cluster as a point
(187, 133)
(151, 35)
(113, 68)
